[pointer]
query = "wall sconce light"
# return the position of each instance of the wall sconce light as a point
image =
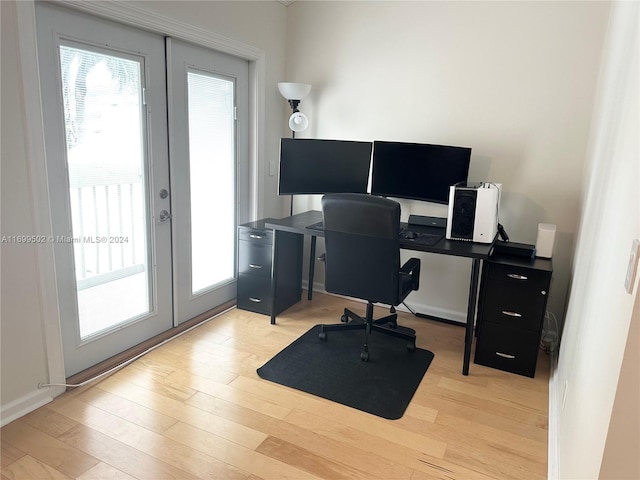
(294, 92)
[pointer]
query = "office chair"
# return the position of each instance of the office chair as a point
(362, 260)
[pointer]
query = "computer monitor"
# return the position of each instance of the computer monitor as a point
(418, 171)
(313, 166)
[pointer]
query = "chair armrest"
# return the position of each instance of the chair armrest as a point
(411, 268)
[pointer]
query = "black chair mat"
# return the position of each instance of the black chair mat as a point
(332, 369)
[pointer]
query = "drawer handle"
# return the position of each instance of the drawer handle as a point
(517, 276)
(512, 314)
(505, 355)
(255, 300)
(253, 235)
(253, 265)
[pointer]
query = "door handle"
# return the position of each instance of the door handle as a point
(517, 276)
(506, 355)
(164, 216)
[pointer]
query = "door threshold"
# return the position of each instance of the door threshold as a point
(117, 360)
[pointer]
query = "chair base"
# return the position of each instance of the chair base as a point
(368, 324)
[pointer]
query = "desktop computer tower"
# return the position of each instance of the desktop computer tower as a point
(473, 212)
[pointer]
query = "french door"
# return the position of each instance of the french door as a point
(134, 247)
(208, 121)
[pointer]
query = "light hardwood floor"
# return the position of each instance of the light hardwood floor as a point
(195, 408)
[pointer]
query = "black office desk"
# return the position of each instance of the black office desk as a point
(475, 251)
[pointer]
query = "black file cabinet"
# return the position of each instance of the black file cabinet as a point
(256, 257)
(511, 310)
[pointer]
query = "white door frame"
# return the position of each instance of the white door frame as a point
(36, 152)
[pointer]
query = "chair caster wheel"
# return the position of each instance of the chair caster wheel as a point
(344, 319)
(322, 335)
(411, 347)
(364, 356)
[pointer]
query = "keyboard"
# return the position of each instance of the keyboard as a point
(427, 239)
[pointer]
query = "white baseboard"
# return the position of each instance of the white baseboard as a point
(430, 310)
(553, 464)
(457, 317)
(26, 404)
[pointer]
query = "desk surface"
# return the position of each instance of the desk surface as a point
(298, 224)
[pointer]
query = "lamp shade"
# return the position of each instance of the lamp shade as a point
(294, 91)
(298, 122)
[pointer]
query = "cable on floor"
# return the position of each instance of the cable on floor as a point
(409, 308)
(549, 337)
(133, 359)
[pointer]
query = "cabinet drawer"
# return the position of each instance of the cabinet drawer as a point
(256, 235)
(509, 349)
(519, 277)
(514, 307)
(254, 293)
(254, 258)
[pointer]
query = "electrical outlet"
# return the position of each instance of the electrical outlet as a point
(272, 168)
(632, 267)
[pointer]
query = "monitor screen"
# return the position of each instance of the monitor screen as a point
(312, 166)
(418, 171)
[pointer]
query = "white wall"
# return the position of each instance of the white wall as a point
(23, 354)
(599, 309)
(513, 80)
(25, 359)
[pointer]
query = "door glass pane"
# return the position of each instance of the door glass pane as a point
(212, 179)
(104, 128)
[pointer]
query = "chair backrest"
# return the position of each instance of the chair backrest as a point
(362, 246)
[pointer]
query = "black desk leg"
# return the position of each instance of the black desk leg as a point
(274, 275)
(312, 266)
(471, 311)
